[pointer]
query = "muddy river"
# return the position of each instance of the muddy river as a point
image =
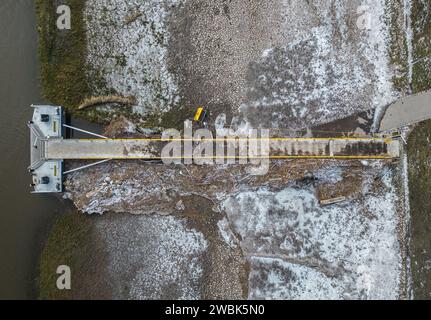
(24, 218)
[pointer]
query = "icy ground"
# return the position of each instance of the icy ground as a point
(153, 255)
(339, 68)
(127, 49)
(297, 248)
(290, 74)
(300, 250)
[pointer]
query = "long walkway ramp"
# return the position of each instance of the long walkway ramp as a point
(279, 148)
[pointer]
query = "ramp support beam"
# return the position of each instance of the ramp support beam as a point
(85, 131)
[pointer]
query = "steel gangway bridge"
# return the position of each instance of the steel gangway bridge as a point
(50, 148)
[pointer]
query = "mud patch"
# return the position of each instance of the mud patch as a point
(214, 42)
(225, 271)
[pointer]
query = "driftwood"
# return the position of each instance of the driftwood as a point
(95, 101)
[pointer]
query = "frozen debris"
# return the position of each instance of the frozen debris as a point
(153, 257)
(150, 188)
(127, 47)
(226, 233)
(328, 202)
(300, 250)
(330, 174)
(180, 206)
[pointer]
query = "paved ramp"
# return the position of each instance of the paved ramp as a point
(407, 111)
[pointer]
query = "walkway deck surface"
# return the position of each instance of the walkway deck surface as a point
(94, 149)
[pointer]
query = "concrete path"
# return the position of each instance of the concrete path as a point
(407, 111)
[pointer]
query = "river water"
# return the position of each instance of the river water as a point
(24, 218)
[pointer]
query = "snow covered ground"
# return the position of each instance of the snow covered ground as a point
(300, 250)
(127, 48)
(316, 62)
(153, 256)
(333, 70)
(345, 251)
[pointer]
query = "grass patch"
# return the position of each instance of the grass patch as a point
(62, 54)
(173, 119)
(419, 152)
(67, 79)
(420, 188)
(398, 44)
(421, 24)
(68, 244)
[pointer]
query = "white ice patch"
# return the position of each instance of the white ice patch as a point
(281, 281)
(377, 54)
(127, 47)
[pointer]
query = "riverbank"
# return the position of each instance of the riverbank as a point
(68, 244)
(77, 64)
(119, 256)
(419, 159)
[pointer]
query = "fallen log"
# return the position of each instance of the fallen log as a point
(95, 101)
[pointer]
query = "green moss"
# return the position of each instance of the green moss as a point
(68, 244)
